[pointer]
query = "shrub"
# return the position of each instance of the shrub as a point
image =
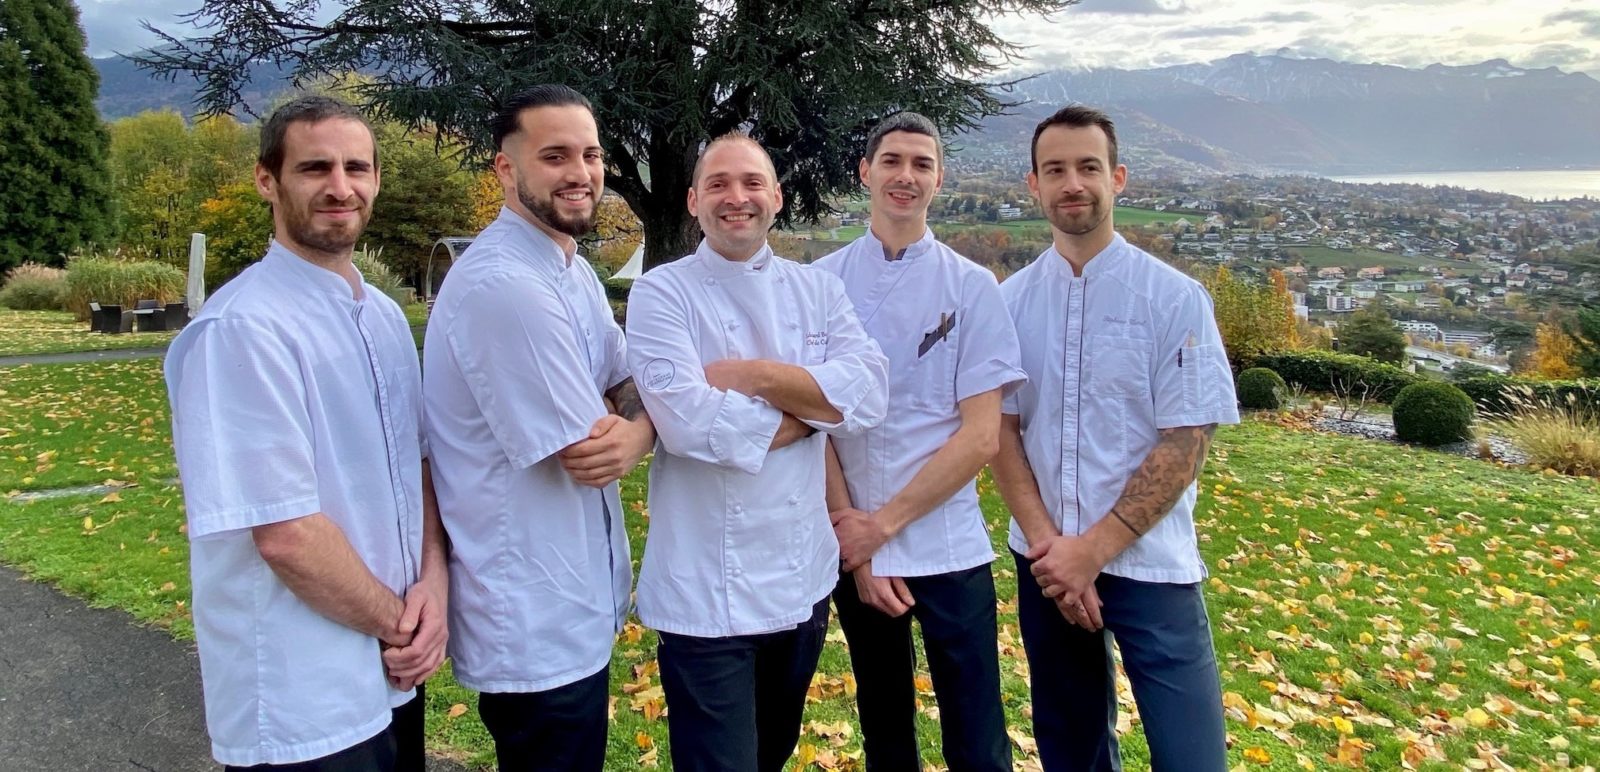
(1560, 433)
(373, 271)
(34, 287)
(1432, 413)
(1329, 372)
(1261, 389)
(1500, 394)
(110, 281)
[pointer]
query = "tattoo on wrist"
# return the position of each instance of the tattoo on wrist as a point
(626, 398)
(1124, 521)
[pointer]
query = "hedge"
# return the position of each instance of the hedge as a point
(1324, 371)
(1495, 393)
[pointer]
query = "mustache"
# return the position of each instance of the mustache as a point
(732, 209)
(1074, 200)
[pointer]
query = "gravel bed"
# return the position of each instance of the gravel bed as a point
(1381, 427)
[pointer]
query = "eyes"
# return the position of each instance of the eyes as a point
(589, 157)
(752, 183)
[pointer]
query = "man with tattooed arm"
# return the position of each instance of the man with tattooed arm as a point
(1099, 451)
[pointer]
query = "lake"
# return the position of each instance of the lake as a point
(1536, 185)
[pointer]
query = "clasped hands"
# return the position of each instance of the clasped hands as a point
(415, 647)
(1065, 568)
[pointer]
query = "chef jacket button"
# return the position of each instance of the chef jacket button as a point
(709, 281)
(737, 572)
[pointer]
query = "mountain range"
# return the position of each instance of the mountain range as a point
(1244, 113)
(1276, 113)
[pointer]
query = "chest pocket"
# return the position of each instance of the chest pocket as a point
(1118, 367)
(930, 381)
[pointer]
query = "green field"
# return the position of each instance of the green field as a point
(1372, 605)
(1360, 257)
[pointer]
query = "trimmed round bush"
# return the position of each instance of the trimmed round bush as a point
(1432, 414)
(1261, 389)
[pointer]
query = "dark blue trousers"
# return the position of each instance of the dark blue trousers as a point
(556, 730)
(957, 612)
(398, 748)
(1165, 639)
(734, 704)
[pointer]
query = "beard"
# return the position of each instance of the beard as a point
(1081, 223)
(335, 239)
(544, 209)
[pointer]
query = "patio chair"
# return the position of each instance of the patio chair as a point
(109, 319)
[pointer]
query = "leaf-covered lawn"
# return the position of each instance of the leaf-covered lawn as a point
(55, 332)
(1373, 606)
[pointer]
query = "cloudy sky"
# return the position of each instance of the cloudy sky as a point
(1145, 33)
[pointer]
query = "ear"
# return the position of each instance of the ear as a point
(863, 167)
(1033, 186)
(1119, 178)
(506, 172)
(694, 205)
(777, 193)
(266, 184)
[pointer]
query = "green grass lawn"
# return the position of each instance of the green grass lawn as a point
(1360, 257)
(55, 332)
(1372, 605)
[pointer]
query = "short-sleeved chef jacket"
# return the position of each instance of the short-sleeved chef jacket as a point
(940, 321)
(1114, 356)
(521, 347)
(739, 540)
(291, 398)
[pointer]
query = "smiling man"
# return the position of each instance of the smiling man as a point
(531, 420)
(1098, 457)
(316, 553)
(741, 357)
(903, 502)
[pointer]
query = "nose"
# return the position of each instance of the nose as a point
(736, 195)
(575, 172)
(339, 184)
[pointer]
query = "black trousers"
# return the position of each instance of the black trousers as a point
(734, 704)
(399, 748)
(559, 730)
(957, 613)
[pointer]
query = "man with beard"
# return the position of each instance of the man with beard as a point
(742, 356)
(316, 553)
(531, 421)
(905, 509)
(1099, 451)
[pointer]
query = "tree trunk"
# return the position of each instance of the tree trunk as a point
(669, 233)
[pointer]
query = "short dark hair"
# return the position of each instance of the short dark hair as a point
(732, 137)
(505, 122)
(1077, 117)
(910, 122)
(311, 108)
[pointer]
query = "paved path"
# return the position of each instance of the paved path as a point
(71, 357)
(90, 689)
(112, 355)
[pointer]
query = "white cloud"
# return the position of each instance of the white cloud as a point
(1151, 33)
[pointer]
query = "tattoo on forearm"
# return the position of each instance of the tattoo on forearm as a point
(1159, 482)
(626, 397)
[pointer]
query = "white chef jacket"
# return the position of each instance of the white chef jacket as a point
(1113, 356)
(739, 540)
(521, 347)
(291, 398)
(939, 319)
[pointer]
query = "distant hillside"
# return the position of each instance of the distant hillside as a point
(1332, 117)
(127, 90)
(1245, 113)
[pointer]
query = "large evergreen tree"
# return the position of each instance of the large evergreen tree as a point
(808, 79)
(54, 188)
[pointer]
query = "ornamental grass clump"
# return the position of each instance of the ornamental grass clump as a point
(111, 281)
(1561, 433)
(34, 287)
